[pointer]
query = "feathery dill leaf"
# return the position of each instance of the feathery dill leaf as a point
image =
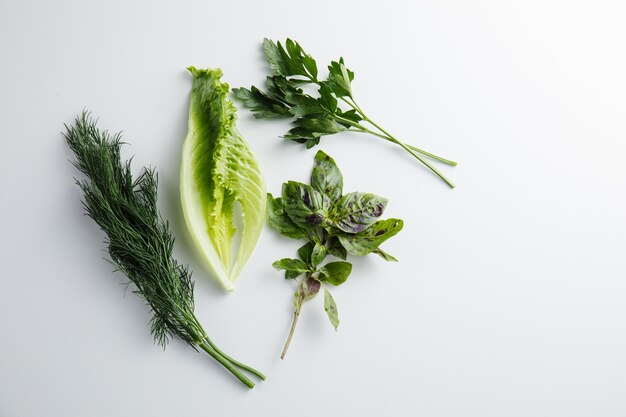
(139, 240)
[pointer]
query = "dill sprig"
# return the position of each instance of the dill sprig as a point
(139, 240)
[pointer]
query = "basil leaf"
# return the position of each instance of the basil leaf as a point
(318, 254)
(304, 205)
(354, 212)
(292, 274)
(305, 252)
(293, 267)
(313, 253)
(387, 257)
(331, 308)
(368, 241)
(326, 177)
(335, 273)
(280, 221)
(309, 288)
(335, 248)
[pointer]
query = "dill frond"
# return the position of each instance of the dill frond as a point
(139, 240)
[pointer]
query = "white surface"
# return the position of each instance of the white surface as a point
(509, 296)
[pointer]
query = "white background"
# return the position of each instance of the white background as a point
(509, 297)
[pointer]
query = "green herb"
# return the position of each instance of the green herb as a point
(321, 115)
(334, 224)
(220, 178)
(139, 240)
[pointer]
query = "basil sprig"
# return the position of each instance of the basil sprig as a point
(333, 224)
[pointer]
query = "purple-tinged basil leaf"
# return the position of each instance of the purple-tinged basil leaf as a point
(326, 177)
(309, 288)
(368, 241)
(387, 257)
(305, 205)
(335, 248)
(280, 221)
(331, 309)
(354, 212)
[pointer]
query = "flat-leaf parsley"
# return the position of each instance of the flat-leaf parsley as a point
(314, 117)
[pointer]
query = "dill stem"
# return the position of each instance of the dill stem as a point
(226, 364)
(234, 362)
(205, 338)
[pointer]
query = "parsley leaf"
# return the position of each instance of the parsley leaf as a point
(263, 105)
(332, 110)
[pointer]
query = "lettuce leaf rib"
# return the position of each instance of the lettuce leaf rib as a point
(218, 172)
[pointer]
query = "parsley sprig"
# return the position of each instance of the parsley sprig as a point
(334, 224)
(323, 114)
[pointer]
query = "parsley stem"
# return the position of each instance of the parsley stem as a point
(388, 136)
(350, 101)
(413, 148)
(423, 161)
(432, 155)
(423, 152)
(352, 104)
(362, 129)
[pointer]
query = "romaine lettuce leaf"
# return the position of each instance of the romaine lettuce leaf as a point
(219, 173)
